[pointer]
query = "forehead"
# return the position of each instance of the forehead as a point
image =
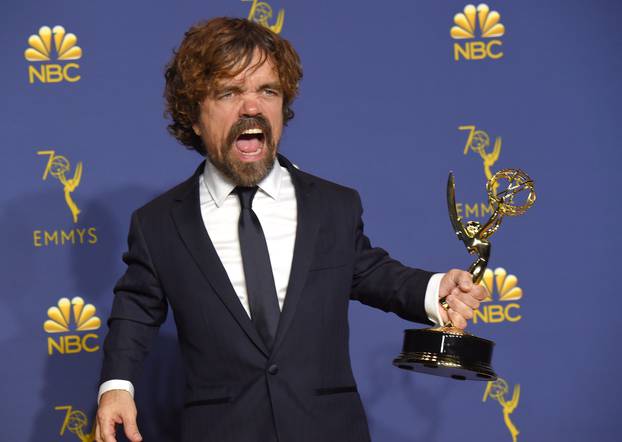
(260, 68)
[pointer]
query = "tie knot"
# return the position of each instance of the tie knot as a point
(246, 195)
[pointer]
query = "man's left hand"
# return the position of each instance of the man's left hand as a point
(462, 296)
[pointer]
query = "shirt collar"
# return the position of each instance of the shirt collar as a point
(220, 186)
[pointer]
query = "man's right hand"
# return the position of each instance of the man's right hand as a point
(116, 407)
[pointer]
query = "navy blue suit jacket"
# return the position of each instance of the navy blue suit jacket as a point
(236, 390)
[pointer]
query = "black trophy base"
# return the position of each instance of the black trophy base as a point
(447, 352)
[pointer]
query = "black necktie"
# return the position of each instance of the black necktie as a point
(260, 285)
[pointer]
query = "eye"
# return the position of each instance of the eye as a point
(223, 95)
(271, 92)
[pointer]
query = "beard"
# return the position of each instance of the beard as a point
(246, 174)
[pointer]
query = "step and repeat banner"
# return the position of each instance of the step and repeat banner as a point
(395, 95)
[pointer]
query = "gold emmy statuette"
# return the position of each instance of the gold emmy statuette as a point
(448, 351)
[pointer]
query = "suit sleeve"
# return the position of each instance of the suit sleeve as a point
(138, 310)
(383, 282)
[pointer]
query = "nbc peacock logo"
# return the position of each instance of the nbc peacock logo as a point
(482, 44)
(504, 287)
(49, 43)
(67, 317)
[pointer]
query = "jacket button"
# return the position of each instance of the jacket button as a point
(273, 369)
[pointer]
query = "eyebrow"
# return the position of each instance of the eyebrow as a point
(276, 85)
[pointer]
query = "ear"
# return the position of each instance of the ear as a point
(196, 130)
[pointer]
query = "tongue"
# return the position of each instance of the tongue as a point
(249, 145)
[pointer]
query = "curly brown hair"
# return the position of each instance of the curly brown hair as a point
(219, 49)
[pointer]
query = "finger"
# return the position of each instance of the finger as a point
(98, 437)
(463, 279)
(131, 429)
(460, 307)
(443, 314)
(470, 298)
(457, 320)
(448, 282)
(467, 298)
(480, 292)
(107, 429)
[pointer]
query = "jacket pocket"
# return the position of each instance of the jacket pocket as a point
(207, 395)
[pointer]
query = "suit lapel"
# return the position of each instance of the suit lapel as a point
(187, 217)
(308, 208)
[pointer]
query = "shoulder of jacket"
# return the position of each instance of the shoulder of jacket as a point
(324, 185)
(165, 200)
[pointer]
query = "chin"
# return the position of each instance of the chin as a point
(249, 173)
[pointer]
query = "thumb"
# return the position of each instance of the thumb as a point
(131, 429)
(464, 280)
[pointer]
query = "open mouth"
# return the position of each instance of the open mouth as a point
(250, 143)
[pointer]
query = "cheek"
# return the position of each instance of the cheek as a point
(217, 129)
(277, 122)
(278, 125)
(216, 120)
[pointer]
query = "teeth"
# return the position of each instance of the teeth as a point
(250, 154)
(252, 131)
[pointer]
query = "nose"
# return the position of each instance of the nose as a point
(250, 106)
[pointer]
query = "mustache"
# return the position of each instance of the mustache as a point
(245, 123)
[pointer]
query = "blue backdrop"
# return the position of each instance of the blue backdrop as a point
(390, 102)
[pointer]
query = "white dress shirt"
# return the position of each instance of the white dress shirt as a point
(275, 206)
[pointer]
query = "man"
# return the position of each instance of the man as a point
(258, 261)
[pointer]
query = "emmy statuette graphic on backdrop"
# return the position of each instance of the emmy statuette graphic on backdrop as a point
(261, 12)
(497, 390)
(58, 166)
(76, 422)
(449, 351)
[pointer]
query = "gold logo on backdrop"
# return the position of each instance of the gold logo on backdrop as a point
(478, 142)
(467, 21)
(41, 45)
(261, 12)
(40, 50)
(505, 288)
(60, 316)
(497, 391)
(67, 316)
(76, 422)
(58, 166)
(465, 27)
